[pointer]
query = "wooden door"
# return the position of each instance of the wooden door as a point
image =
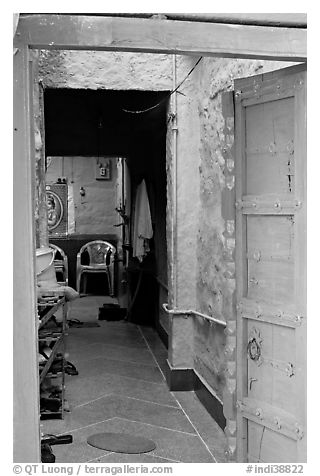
(271, 266)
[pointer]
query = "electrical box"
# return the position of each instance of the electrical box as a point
(103, 168)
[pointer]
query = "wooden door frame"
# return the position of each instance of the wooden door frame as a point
(103, 33)
(26, 445)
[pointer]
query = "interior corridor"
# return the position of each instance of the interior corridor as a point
(121, 388)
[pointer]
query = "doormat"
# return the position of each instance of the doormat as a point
(121, 443)
(112, 313)
(77, 323)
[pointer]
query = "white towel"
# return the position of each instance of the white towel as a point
(142, 225)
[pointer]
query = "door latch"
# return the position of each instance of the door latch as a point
(251, 380)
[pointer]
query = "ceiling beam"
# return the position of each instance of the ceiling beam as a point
(294, 20)
(161, 36)
(290, 20)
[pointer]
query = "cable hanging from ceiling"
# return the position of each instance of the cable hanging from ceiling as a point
(169, 95)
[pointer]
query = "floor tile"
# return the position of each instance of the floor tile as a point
(132, 409)
(79, 338)
(156, 346)
(170, 444)
(115, 352)
(81, 390)
(209, 430)
(105, 328)
(77, 452)
(100, 366)
(125, 458)
(117, 406)
(121, 388)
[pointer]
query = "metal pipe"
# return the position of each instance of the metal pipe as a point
(196, 313)
(174, 247)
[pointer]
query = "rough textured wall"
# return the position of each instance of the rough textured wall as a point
(181, 340)
(105, 70)
(188, 199)
(95, 212)
(164, 318)
(41, 228)
(169, 168)
(215, 282)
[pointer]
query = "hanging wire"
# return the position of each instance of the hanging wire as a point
(170, 94)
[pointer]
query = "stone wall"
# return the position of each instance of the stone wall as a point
(215, 281)
(105, 70)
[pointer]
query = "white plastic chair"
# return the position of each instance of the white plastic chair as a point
(101, 260)
(60, 262)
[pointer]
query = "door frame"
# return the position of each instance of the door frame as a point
(74, 32)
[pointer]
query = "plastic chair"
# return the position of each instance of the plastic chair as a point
(101, 259)
(60, 262)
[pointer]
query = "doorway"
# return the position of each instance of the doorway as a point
(83, 128)
(24, 147)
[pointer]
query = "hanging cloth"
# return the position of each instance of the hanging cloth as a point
(127, 199)
(142, 225)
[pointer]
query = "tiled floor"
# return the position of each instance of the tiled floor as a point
(121, 388)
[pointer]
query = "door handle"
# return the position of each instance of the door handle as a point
(251, 380)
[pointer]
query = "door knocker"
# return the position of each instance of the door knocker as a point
(254, 345)
(254, 349)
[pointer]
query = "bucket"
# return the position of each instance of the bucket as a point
(46, 274)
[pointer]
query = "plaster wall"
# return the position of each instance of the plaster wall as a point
(95, 212)
(188, 185)
(184, 230)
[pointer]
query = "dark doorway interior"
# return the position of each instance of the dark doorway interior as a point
(75, 117)
(96, 123)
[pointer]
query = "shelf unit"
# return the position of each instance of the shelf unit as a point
(47, 306)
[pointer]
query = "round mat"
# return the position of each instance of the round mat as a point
(121, 443)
